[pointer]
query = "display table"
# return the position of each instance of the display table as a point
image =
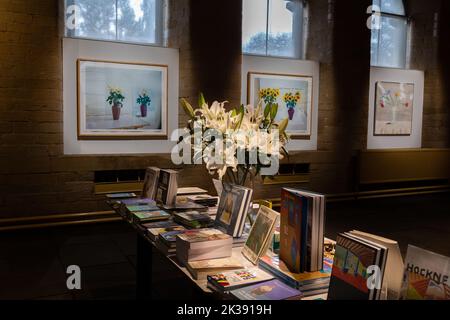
(146, 248)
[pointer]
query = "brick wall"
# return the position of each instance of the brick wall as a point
(36, 178)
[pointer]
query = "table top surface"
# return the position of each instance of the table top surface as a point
(202, 284)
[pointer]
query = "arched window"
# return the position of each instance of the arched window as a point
(389, 35)
(273, 28)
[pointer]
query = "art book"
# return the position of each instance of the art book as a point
(232, 210)
(150, 182)
(293, 230)
(426, 276)
(200, 269)
(349, 275)
(270, 290)
(231, 280)
(145, 216)
(153, 233)
(260, 235)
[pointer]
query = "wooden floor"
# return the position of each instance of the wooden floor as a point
(33, 263)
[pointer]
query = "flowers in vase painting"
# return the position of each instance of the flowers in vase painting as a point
(144, 101)
(269, 95)
(115, 96)
(291, 100)
(394, 108)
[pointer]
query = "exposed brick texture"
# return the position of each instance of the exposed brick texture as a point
(36, 178)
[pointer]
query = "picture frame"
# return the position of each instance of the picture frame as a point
(121, 100)
(294, 95)
(393, 109)
(260, 234)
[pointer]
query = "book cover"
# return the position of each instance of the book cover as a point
(150, 182)
(192, 216)
(270, 290)
(293, 217)
(232, 209)
(155, 232)
(426, 275)
(224, 263)
(150, 215)
(121, 195)
(260, 234)
(140, 208)
(204, 235)
(230, 280)
(170, 237)
(349, 273)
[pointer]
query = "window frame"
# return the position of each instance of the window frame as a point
(404, 17)
(302, 32)
(159, 27)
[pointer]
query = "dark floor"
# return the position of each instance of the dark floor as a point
(33, 263)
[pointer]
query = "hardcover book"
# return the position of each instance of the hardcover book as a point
(153, 233)
(349, 274)
(193, 219)
(231, 280)
(293, 229)
(260, 235)
(200, 269)
(150, 182)
(426, 275)
(166, 192)
(170, 238)
(302, 229)
(121, 195)
(270, 290)
(232, 210)
(145, 216)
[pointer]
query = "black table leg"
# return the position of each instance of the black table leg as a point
(143, 269)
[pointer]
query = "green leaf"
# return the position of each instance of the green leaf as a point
(267, 110)
(274, 111)
(201, 100)
(187, 108)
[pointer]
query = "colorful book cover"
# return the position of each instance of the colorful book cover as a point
(349, 274)
(171, 236)
(154, 232)
(292, 231)
(238, 278)
(270, 290)
(426, 275)
(150, 215)
(203, 235)
(140, 208)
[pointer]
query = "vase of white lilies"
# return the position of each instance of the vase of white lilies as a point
(238, 144)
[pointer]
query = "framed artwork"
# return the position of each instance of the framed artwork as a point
(293, 93)
(394, 106)
(118, 100)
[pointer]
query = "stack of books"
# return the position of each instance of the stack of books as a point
(193, 219)
(156, 228)
(270, 290)
(204, 200)
(167, 241)
(302, 230)
(231, 280)
(140, 217)
(204, 244)
(309, 283)
(185, 206)
(200, 269)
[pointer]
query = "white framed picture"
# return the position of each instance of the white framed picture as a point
(119, 100)
(294, 95)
